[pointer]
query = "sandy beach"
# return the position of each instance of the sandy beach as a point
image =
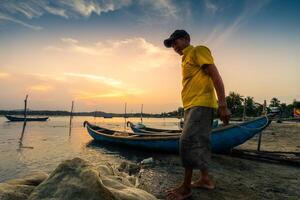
(237, 178)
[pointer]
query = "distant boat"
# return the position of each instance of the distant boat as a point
(141, 128)
(290, 119)
(223, 139)
(21, 119)
(107, 116)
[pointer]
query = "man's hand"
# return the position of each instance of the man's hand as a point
(224, 114)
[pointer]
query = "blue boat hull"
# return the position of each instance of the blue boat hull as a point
(223, 139)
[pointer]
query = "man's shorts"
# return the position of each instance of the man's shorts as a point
(195, 142)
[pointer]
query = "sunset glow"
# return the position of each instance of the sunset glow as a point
(105, 54)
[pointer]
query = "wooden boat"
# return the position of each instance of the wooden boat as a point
(291, 119)
(223, 139)
(21, 119)
(141, 128)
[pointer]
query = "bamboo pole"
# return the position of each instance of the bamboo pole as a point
(259, 136)
(142, 113)
(244, 110)
(71, 117)
(25, 107)
(24, 124)
(125, 116)
(264, 107)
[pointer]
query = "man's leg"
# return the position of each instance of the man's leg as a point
(204, 181)
(194, 148)
(186, 123)
(184, 190)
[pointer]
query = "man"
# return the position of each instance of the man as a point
(200, 79)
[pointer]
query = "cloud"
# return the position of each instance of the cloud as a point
(164, 7)
(116, 87)
(57, 11)
(7, 18)
(85, 88)
(66, 77)
(211, 7)
(23, 10)
(15, 11)
(48, 77)
(250, 9)
(41, 88)
(136, 53)
(86, 8)
(69, 40)
(4, 75)
(97, 78)
(83, 95)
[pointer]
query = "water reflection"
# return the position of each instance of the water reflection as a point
(22, 135)
(52, 144)
(21, 138)
(126, 152)
(70, 128)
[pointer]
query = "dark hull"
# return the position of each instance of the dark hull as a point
(21, 119)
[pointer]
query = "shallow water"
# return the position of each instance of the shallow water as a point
(46, 144)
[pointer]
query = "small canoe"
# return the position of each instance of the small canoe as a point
(21, 119)
(141, 128)
(291, 119)
(223, 139)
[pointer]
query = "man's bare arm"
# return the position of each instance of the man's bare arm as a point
(213, 72)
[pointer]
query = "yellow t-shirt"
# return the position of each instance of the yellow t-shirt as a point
(198, 88)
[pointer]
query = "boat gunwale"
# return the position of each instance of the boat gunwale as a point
(221, 128)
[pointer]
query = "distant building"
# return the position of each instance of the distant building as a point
(275, 110)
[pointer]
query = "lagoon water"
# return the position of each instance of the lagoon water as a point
(46, 144)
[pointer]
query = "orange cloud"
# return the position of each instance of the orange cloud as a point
(4, 75)
(41, 88)
(92, 77)
(135, 53)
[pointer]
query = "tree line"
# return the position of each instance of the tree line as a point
(235, 103)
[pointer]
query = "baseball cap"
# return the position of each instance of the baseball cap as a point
(175, 35)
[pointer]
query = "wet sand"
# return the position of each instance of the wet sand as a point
(237, 178)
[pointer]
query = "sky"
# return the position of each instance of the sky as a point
(103, 53)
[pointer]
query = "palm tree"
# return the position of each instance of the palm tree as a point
(234, 103)
(274, 102)
(250, 106)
